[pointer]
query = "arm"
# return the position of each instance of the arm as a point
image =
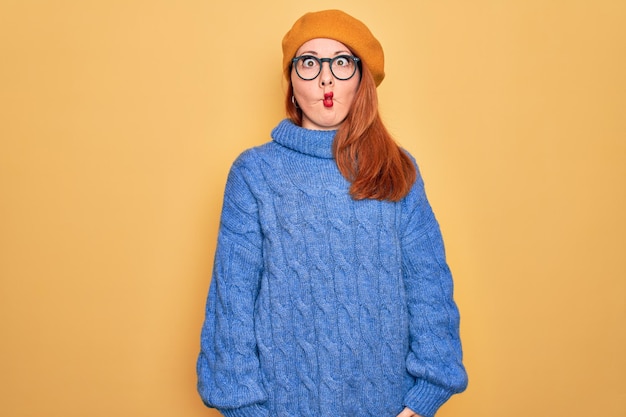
(228, 369)
(435, 356)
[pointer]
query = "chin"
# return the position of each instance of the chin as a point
(328, 123)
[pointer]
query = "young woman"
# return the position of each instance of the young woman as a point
(330, 296)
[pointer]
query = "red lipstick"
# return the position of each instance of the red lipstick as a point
(328, 99)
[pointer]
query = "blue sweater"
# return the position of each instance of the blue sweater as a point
(320, 305)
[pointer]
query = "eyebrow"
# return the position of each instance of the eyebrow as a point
(316, 54)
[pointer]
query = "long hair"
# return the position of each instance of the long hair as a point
(365, 153)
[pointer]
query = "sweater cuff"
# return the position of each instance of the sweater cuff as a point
(425, 398)
(253, 410)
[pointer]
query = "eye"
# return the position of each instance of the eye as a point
(308, 62)
(343, 61)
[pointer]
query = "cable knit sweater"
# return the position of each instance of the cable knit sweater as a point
(321, 305)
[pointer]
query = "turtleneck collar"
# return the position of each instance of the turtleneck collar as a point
(318, 143)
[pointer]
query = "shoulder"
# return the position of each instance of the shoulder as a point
(417, 213)
(249, 162)
(253, 169)
(417, 191)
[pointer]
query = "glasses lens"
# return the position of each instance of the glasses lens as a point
(343, 67)
(308, 67)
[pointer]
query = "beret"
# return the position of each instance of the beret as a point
(340, 26)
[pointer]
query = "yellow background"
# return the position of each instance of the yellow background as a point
(120, 118)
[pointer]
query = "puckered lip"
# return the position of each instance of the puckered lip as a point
(328, 99)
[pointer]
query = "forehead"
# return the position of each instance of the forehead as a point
(323, 47)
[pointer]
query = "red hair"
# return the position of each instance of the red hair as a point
(365, 153)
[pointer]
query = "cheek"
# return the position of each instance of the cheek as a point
(299, 89)
(352, 91)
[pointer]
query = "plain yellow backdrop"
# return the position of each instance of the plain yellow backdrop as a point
(119, 120)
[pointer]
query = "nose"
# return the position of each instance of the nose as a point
(326, 75)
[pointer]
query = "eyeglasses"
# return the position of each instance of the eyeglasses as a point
(308, 67)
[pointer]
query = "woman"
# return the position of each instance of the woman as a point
(330, 293)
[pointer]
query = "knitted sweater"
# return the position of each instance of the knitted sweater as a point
(321, 305)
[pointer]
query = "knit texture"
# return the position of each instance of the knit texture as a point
(321, 305)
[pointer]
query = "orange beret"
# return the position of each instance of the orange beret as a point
(340, 26)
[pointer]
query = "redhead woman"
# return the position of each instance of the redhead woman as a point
(330, 295)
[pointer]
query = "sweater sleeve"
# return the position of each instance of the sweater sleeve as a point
(229, 377)
(435, 355)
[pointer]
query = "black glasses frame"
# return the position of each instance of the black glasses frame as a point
(330, 61)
